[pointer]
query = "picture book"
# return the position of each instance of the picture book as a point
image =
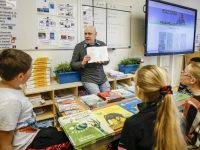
(113, 116)
(124, 93)
(92, 101)
(130, 105)
(180, 96)
(110, 96)
(97, 54)
(67, 104)
(84, 128)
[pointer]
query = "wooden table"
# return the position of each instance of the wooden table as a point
(117, 134)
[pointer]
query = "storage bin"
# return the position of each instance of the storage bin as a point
(128, 68)
(68, 77)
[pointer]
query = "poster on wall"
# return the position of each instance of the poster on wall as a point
(66, 25)
(45, 7)
(8, 4)
(66, 40)
(197, 40)
(47, 38)
(47, 24)
(65, 10)
(8, 39)
(8, 20)
(87, 18)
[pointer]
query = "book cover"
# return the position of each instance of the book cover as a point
(92, 101)
(84, 128)
(113, 116)
(124, 93)
(179, 96)
(109, 96)
(130, 105)
(99, 53)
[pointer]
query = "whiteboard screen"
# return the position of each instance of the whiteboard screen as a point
(118, 33)
(112, 22)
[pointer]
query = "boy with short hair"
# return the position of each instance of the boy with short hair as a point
(18, 125)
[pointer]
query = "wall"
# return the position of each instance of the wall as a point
(137, 38)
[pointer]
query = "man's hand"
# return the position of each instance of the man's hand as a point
(86, 59)
(100, 62)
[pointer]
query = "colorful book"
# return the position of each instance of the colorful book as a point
(180, 96)
(92, 101)
(124, 93)
(84, 128)
(110, 96)
(130, 105)
(113, 116)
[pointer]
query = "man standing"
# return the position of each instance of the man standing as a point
(92, 74)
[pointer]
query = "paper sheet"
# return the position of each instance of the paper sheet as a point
(45, 7)
(66, 40)
(8, 20)
(47, 38)
(47, 24)
(8, 39)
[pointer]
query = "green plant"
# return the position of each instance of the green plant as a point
(63, 67)
(130, 61)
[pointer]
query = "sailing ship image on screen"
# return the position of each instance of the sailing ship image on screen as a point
(84, 128)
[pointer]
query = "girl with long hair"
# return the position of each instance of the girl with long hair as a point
(157, 126)
(191, 77)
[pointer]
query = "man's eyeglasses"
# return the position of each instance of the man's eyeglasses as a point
(185, 74)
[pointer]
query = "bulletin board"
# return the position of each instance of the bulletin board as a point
(112, 22)
(39, 24)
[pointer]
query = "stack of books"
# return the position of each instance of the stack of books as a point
(92, 101)
(39, 111)
(63, 94)
(40, 72)
(45, 123)
(110, 96)
(84, 128)
(35, 99)
(69, 106)
(123, 93)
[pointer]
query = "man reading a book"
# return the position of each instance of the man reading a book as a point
(92, 74)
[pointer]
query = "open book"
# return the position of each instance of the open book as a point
(97, 54)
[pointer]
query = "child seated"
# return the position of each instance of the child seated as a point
(191, 77)
(184, 88)
(157, 126)
(18, 125)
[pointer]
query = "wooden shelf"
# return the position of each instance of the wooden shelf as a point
(45, 104)
(48, 114)
(55, 86)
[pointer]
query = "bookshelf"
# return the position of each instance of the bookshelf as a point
(49, 106)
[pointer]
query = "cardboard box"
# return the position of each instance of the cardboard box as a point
(41, 66)
(40, 73)
(38, 85)
(38, 81)
(40, 70)
(40, 62)
(41, 58)
(38, 77)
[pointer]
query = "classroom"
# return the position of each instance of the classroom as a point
(89, 99)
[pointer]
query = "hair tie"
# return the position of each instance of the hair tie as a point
(166, 90)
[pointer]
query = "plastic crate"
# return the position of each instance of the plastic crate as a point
(128, 68)
(68, 77)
